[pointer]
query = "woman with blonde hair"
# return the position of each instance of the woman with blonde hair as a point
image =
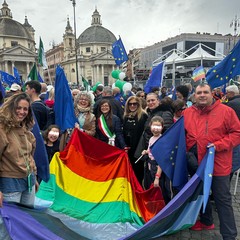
(86, 120)
(133, 126)
(83, 111)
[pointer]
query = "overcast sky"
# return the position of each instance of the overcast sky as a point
(140, 23)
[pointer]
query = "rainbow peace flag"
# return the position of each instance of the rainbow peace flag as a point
(92, 185)
(94, 195)
(198, 73)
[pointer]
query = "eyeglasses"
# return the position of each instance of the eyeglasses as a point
(83, 99)
(132, 104)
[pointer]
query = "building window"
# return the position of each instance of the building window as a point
(88, 49)
(14, 43)
(103, 49)
(105, 81)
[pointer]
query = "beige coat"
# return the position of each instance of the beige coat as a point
(16, 152)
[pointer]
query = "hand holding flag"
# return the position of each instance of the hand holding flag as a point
(170, 153)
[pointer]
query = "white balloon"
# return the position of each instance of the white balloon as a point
(127, 87)
(113, 86)
(122, 75)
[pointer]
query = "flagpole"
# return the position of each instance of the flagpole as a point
(49, 76)
(75, 35)
(173, 73)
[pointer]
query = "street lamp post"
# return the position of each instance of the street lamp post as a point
(235, 24)
(75, 35)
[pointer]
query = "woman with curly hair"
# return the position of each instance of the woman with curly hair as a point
(86, 120)
(17, 144)
(83, 112)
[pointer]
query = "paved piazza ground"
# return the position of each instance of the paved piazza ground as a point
(212, 234)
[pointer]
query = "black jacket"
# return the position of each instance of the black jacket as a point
(234, 103)
(116, 129)
(132, 131)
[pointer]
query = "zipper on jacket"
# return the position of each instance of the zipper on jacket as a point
(206, 130)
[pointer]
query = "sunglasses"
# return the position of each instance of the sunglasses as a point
(132, 104)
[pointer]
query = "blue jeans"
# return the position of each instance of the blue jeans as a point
(25, 198)
(223, 200)
(236, 159)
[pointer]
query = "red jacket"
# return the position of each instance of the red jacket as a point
(217, 124)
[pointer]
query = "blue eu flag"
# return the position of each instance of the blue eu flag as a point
(63, 106)
(40, 154)
(155, 79)
(170, 153)
(208, 173)
(40, 78)
(2, 89)
(227, 69)
(7, 78)
(17, 76)
(119, 52)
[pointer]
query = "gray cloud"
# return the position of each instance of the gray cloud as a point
(139, 22)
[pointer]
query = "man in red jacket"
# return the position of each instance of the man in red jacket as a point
(211, 123)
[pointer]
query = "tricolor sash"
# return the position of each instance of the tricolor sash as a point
(105, 130)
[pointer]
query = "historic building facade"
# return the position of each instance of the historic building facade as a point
(54, 56)
(17, 44)
(94, 53)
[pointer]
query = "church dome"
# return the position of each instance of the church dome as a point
(11, 27)
(96, 33)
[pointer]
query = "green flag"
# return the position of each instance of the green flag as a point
(33, 75)
(41, 55)
(85, 84)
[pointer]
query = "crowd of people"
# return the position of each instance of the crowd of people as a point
(131, 123)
